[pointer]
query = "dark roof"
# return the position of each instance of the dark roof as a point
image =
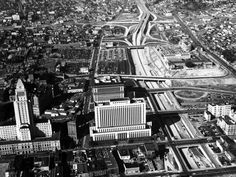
(97, 165)
(150, 146)
(120, 99)
(131, 165)
(41, 120)
(228, 120)
(21, 93)
(124, 152)
(25, 127)
(114, 84)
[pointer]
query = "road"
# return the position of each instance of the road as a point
(156, 78)
(181, 161)
(190, 88)
(88, 95)
(216, 58)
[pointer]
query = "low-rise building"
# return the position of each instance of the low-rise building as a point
(104, 92)
(93, 162)
(230, 155)
(131, 168)
(173, 54)
(207, 115)
(27, 147)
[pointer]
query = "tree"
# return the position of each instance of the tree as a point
(229, 55)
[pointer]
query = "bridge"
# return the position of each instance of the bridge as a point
(157, 78)
(128, 47)
(180, 111)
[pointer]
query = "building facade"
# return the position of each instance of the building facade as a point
(120, 119)
(219, 110)
(227, 125)
(44, 128)
(27, 147)
(8, 132)
(104, 92)
(36, 106)
(72, 130)
(23, 113)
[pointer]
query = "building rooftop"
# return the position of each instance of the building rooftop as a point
(103, 85)
(125, 100)
(150, 147)
(124, 152)
(120, 99)
(107, 80)
(220, 104)
(92, 160)
(228, 120)
(55, 136)
(41, 120)
(20, 84)
(132, 165)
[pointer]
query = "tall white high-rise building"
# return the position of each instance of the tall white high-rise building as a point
(23, 114)
(120, 119)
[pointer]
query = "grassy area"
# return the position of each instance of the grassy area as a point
(221, 87)
(189, 94)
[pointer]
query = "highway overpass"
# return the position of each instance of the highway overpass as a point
(189, 88)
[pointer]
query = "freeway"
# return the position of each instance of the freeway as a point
(216, 58)
(126, 47)
(176, 152)
(190, 88)
(156, 78)
(180, 111)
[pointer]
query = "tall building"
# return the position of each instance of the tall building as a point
(23, 113)
(26, 136)
(36, 106)
(219, 110)
(120, 119)
(104, 92)
(42, 99)
(72, 130)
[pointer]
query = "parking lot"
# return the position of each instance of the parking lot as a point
(210, 130)
(113, 61)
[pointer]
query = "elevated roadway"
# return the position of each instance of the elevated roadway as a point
(189, 88)
(156, 78)
(180, 111)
